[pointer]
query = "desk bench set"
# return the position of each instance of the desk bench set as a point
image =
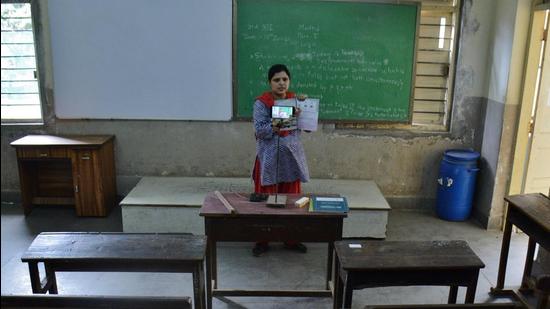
(351, 264)
(82, 171)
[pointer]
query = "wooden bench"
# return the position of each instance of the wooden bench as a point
(365, 264)
(531, 214)
(125, 252)
(452, 306)
(171, 204)
(93, 301)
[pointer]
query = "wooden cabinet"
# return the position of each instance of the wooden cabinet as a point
(67, 170)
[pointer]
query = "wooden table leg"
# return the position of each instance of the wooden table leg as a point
(330, 258)
(453, 292)
(50, 279)
(35, 278)
(348, 291)
(198, 287)
(214, 252)
(27, 180)
(528, 262)
(507, 234)
(471, 289)
(338, 285)
(209, 245)
(49, 284)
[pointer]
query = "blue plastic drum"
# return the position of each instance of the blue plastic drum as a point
(456, 184)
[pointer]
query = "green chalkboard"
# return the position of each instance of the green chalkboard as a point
(357, 57)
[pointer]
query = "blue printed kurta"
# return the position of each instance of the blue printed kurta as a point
(292, 158)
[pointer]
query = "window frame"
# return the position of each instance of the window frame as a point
(453, 7)
(39, 53)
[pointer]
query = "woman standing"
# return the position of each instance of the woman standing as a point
(292, 165)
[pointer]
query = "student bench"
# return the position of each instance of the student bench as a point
(452, 306)
(93, 301)
(172, 204)
(366, 264)
(125, 252)
(531, 214)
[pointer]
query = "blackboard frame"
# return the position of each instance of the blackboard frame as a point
(407, 121)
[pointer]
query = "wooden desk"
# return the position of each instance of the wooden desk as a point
(403, 263)
(125, 252)
(253, 221)
(531, 214)
(67, 170)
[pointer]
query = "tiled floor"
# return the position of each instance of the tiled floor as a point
(279, 268)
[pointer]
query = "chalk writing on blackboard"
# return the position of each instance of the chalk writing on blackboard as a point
(359, 64)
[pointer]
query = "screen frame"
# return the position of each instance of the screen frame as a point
(277, 109)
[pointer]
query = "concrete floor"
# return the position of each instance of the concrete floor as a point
(238, 269)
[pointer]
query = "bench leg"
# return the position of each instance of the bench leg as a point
(507, 234)
(453, 292)
(198, 287)
(338, 285)
(50, 279)
(329, 263)
(214, 260)
(528, 262)
(210, 258)
(348, 292)
(49, 283)
(35, 278)
(471, 289)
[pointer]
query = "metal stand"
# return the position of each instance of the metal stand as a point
(275, 200)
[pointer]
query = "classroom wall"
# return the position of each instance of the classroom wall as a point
(505, 72)
(403, 163)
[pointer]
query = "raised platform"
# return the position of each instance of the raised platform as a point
(172, 204)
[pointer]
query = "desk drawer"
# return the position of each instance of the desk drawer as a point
(42, 152)
(274, 229)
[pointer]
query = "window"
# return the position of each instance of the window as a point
(21, 100)
(435, 63)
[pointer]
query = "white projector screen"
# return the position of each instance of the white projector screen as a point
(142, 59)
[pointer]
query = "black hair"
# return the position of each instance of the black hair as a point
(276, 68)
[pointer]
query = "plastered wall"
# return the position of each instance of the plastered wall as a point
(403, 163)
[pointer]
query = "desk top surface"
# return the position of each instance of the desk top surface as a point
(213, 207)
(116, 247)
(53, 140)
(536, 206)
(406, 255)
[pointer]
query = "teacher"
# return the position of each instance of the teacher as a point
(292, 167)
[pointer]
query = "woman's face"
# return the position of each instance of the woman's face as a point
(279, 84)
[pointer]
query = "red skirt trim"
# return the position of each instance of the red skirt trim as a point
(284, 187)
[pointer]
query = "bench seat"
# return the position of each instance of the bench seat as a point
(93, 301)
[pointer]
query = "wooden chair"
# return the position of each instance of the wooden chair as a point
(93, 301)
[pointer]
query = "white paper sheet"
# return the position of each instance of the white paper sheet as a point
(309, 114)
